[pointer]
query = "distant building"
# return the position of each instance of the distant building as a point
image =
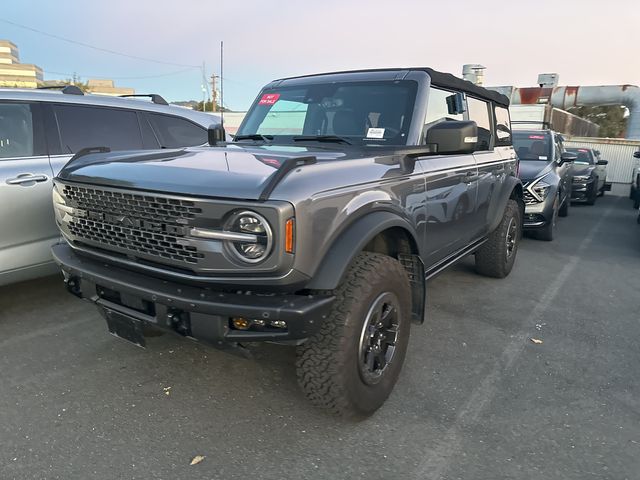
(16, 74)
(107, 87)
(25, 75)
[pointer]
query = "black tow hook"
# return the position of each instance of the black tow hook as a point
(179, 321)
(73, 286)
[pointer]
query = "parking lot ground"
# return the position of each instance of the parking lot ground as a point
(477, 398)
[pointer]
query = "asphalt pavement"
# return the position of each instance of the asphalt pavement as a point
(477, 399)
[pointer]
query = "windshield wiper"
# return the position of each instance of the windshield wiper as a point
(322, 138)
(254, 136)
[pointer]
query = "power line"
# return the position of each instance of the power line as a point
(100, 49)
(122, 78)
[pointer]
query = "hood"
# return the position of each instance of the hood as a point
(231, 171)
(532, 169)
(582, 169)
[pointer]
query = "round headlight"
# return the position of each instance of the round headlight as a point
(259, 236)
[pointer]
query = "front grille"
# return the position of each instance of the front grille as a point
(145, 207)
(137, 223)
(528, 198)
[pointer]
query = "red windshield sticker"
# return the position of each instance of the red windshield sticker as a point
(536, 137)
(269, 99)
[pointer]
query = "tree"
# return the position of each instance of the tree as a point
(611, 119)
(208, 105)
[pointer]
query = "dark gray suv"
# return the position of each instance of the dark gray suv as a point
(545, 169)
(318, 226)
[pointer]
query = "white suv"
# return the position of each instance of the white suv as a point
(40, 130)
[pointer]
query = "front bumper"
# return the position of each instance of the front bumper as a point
(580, 191)
(200, 313)
(538, 215)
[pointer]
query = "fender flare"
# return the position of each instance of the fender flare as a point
(352, 241)
(512, 184)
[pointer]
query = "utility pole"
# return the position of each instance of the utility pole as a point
(204, 88)
(214, 93)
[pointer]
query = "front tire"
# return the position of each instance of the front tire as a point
(352, 364)
(495, 258)
(564, 208)
(593, 194)
(548, 232)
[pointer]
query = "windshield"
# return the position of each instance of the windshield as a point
(532, 146)
(359, 113)
(584, 155)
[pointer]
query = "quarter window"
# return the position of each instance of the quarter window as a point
(479, 113)
(503, 127)
(82, 127)
(174, 132)
(16, 130)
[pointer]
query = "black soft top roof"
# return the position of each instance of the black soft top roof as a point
(440, 79)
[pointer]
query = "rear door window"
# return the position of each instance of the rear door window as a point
(17, 132)
(82, 127)
(174, 132)
(479, 113)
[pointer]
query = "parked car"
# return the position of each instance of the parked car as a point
(545, 169)
(309, 229)
(40, 130)
(635, 182)
(589, 175)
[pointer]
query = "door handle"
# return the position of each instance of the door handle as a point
(27, 178)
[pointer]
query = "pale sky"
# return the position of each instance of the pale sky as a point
(587, 42)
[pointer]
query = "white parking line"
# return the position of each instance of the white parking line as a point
(437, 460)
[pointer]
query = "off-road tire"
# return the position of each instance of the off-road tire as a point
(564, 208)
(328, 363)
(491, 258)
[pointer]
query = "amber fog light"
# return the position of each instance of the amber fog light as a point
(240, 323)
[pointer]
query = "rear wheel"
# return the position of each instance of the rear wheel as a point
(352, 364)
(495, 258)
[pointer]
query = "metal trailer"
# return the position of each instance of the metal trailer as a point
(619, 153)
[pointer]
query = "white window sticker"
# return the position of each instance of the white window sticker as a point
(542, 157)
(375, 133)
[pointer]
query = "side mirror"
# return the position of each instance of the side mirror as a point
(456, 104)
(568, 157)
(216, 134)
(636, 154)
(602, 162)
(453, 136)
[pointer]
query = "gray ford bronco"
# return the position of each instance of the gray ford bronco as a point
(318, 226)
